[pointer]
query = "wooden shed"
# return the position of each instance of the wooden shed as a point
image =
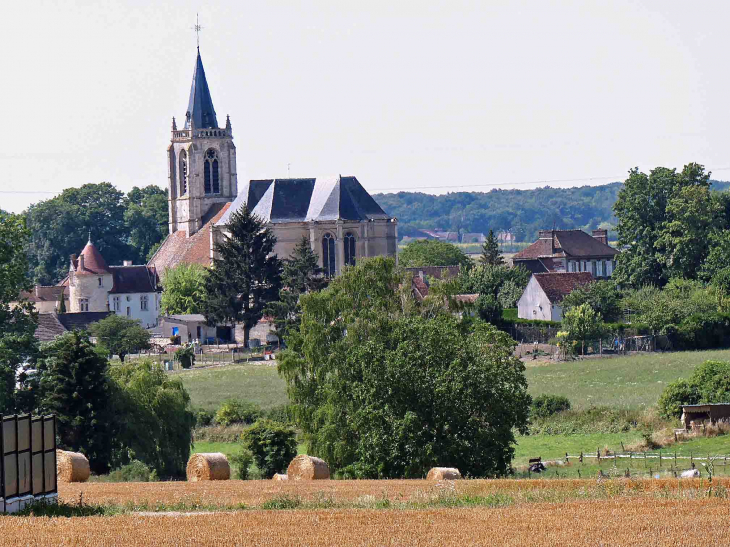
(710, 412)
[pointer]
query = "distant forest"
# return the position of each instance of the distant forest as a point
(523, 212)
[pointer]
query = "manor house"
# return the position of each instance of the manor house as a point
(341, 221)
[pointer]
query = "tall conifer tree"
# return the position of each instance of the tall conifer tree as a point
(245, 276)
(490, 251)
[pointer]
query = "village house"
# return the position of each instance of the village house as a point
(569, 251)
(45, 298)
(52, 324)
(544, 293)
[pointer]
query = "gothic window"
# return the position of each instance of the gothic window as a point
(183, 172)
(349, 249)
(83, 304)
(328, 255)
(211, 173)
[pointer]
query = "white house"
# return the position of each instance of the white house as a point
(129, 290)
(545, 291)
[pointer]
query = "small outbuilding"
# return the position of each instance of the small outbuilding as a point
(188, 327)
(544, 293)
(710, 412)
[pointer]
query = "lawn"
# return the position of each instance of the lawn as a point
(634, 381)
(255, 382)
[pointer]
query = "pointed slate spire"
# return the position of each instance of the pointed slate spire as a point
(200, 106)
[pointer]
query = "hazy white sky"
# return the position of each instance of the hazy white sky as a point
(405, 95)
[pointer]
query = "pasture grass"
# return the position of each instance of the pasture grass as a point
(254, 382)
(632, 381)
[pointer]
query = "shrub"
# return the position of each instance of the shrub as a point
(134, 471)
(242, 461)
(234, 411)
(273, 445)
(280, 413)
(547, 405)
(186, 356)
(203, 417)
(709, 383)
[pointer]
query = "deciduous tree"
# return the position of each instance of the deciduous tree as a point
(424, 252)
(120, 335)
(184, 289)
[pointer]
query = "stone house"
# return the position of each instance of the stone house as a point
(545, 291)
(569, 251)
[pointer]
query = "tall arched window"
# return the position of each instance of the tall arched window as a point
(350, 249)
(210, 173)
(183, 172)
(328, 255)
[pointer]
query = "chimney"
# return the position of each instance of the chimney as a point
(81, 262)
(73, 260)
(127, 262)
(601, 235)
(36, 291)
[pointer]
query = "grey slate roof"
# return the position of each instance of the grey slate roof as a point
(304, 200)
(200, 105)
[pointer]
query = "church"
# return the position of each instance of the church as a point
(339, 218)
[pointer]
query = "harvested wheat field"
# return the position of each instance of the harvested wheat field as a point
(623, 522)
(236, 494)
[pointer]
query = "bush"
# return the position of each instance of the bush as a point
(280, 413)
(234, 411)
(134, 471)
(704, 331)
(242, 461)
(203, 417)
(709, 383)
(273, 445)
(186, 356)
(547, 405)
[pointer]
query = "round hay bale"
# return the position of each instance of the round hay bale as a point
(280, 477)
(72, 467)
(443, 474)
(208, 467)
(307, 468)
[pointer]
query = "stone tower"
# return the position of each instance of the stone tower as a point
(201, 161)
(89, 281)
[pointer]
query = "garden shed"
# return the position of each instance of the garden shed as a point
(712, 412)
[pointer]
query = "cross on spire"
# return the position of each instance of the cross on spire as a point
(197, 28)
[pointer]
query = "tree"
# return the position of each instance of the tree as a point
(380, 391)
(246, 275)
(582, 324)
(272, 444)
(301, 274)
(146, 218)
(422, 252)
(490, 251)
(692, 217)
(60, 227)
(719, 250)
(74, 385)
(61, 303)
(17, 323)
(158, 420)
(119, 335)
(602, 296)
(643, 220)
(183, 289)
(709, 383)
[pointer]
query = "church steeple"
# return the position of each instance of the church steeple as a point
(200, 106)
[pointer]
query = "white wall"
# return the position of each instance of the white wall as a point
(133, 301)
(534, 303)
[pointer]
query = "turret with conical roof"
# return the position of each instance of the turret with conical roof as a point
(89, 281)
(201, 161)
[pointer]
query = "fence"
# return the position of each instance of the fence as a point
(28, 465)
(202, 358)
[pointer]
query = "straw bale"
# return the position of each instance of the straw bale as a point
(443, 474)
(72, 467)
(305, 467)
(280, 477)
(208, 467)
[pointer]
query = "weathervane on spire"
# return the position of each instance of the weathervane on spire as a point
(197, 28)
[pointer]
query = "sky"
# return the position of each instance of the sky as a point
(406, 95)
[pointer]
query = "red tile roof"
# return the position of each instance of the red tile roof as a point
(571, 243)
(557, 285)
(178, 248)
(94, 263)
(43, 293)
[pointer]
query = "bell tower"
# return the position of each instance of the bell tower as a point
(201, 161)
